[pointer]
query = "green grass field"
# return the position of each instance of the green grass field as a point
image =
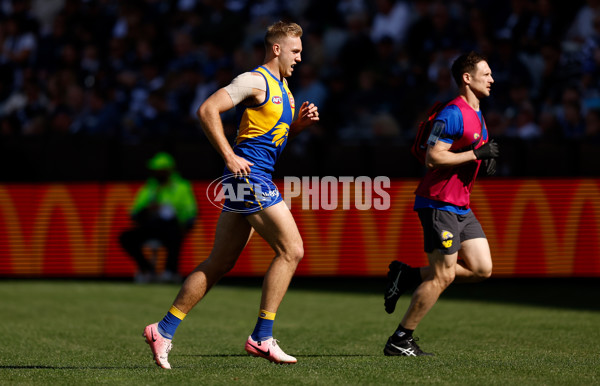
(499, 332)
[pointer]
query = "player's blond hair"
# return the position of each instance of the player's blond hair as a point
(280, 30)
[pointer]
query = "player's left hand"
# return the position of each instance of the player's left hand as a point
(490, 166)
(309, 113)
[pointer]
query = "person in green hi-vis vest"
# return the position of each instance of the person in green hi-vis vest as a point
(164, 210)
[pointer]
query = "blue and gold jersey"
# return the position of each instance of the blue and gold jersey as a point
(263, 129)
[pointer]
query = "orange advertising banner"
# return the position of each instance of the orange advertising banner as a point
(535, 227)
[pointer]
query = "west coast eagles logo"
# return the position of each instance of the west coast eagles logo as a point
(280, 133)
(447, 239)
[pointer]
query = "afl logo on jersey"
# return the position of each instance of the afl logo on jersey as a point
(276, 99)
(292, 102)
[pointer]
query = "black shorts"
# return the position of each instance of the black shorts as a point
(445, 230)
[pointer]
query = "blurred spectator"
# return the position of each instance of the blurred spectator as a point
(45, 11)
(89, 65)
(524, 125)
(364, 106)
(516, 23)
(165, 210)
(387, 63)
(333, 113)
(549, 126)
(519, 96)
(392, 19)
(592, 126)
(590, 67)
(18, 48)
(496, 122)
(347, 8)
(100, 118)
(436, 32)
(26, 110)
(569, 114)
(117, 56)
(128, 20)
(314, 49)
(204, 88)
(149, 79)
(260, 14)
(219, 24)
(444, 88)
(51, 44)
(552, 79)
(544, 26)
(479, 31)
(508, 71)
(570, 120)
(186, 54)
(358, 52)
(156, 120)
(310, 87)
(385, 126)
(582, 26)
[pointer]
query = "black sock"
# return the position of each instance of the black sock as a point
(402, 332)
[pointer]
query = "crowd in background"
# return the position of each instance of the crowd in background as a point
(137, 70)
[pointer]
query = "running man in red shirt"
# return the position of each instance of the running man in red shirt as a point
(457, 146)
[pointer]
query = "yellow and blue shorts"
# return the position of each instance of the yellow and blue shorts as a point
(249, 194)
